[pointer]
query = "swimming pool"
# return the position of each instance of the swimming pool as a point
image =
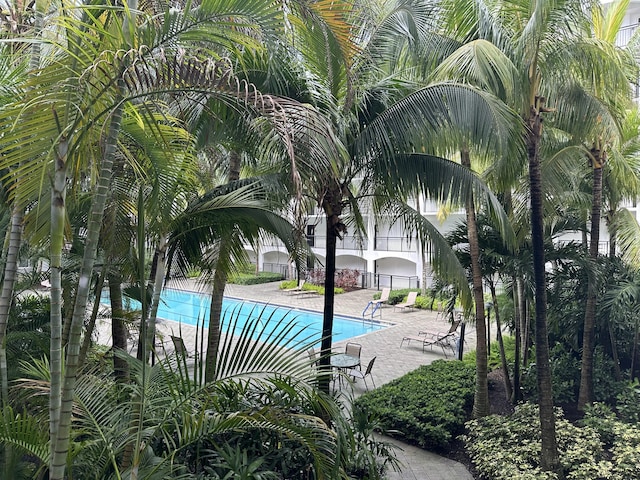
(191, 307)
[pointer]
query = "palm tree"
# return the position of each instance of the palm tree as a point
(547, 64)
(385, 124)
(104, 79)
(605, 31)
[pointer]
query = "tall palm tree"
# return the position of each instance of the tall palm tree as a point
(390, 129)
(606, 28)
(108, 76)
(546, 62)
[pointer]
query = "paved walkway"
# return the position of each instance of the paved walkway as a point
(391, 362)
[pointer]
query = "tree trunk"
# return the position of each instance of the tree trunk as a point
(119, 332)
(549, 460)
(6, 297)
(585, 396)
(481, 397)
(218, 287)
(215, 319)
(158, 279)
(503, 356)
(91, 326)
(516, 396)
(58, 198)
(335, 228)
(60, 442)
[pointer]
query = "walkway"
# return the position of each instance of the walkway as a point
(391, 362)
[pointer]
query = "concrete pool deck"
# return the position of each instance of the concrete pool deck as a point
(392, 361)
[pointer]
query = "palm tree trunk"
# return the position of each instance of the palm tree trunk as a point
(158, 279)
(335, 228)
(86, 342)
(58, 197)
(503, 356)
(60, 443)
(585, 396)
(217, 291)
(481, 397)
(516, 397)
(118, 329)
(549, 460)
(6, 297)
(215, 319)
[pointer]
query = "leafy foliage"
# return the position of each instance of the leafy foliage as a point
(509, 447)
(427, 406)
(253, 279)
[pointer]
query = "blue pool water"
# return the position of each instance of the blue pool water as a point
(190, 308)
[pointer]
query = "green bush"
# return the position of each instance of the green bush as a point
(494, 361)
(427, 406)
(509, 447)
(628, 403)
(308, 286)
(565, 369)
(253, 279)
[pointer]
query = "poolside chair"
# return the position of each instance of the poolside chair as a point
(179, 347)
(384, 297)
(359, 374)
(312, 356)
(354, 349)
(298, 288)
(410, 303)
(445, 340)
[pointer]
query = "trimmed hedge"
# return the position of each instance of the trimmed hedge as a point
(427, 406)
(253, 279)
(309, 286)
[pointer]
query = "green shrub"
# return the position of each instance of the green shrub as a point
(253, 279)
(628, 403)
(427, 406)
(565, 369)
(494, 361)
(509, 447)
(309, 286)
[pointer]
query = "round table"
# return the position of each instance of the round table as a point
(344, 361)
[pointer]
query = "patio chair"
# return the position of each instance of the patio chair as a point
(384, 297)
(445, 340)
(312, 356)
(410, 303)
(179, 347)
(297, 288)
(359, 374)
(354, 349)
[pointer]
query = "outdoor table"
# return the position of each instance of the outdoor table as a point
(344, 363)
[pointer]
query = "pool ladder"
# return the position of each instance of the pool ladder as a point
(372, 309)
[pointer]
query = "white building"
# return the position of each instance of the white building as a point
(388, 257)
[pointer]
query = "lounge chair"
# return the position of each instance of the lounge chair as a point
(446, 340)
(410, 303)
(384, 297)
(304, 293)
(298, 288)
(179, 347)
(363, 375)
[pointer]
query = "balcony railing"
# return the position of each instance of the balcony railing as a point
(396, 244)
(624, 35)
